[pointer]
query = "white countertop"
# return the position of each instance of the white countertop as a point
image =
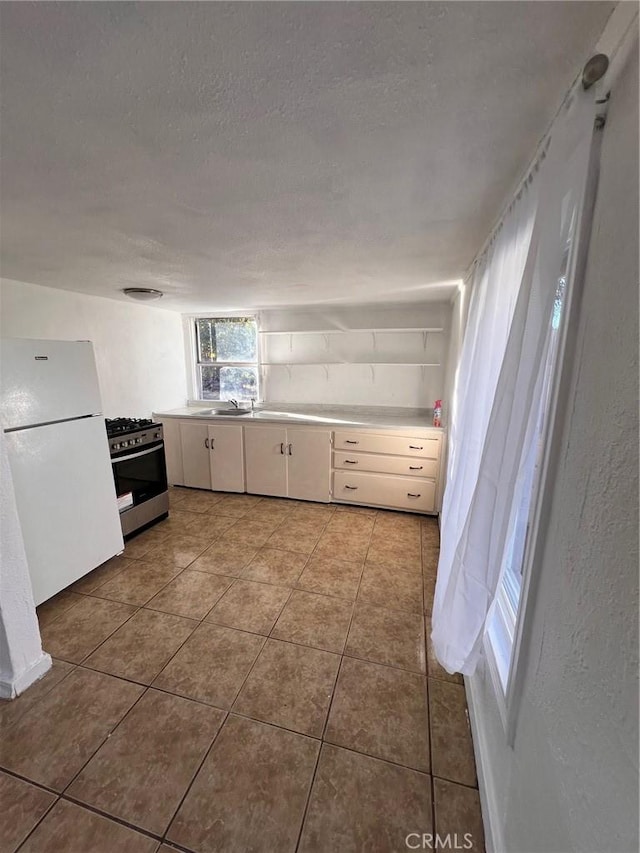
(320, 415)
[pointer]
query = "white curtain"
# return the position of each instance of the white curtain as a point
(500, 383)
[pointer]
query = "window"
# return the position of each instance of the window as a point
(502, 626)
(226, 358)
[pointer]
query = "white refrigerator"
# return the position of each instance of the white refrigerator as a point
(59, 458)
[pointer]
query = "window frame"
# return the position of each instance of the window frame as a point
(192, 345)
(509, 695)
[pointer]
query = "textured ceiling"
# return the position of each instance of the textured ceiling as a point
(256, 154)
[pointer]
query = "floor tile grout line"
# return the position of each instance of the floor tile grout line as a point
(332, 697)
(73, 666)
(195, 775)
(111, 675)
(322, 741)
(399, 764)
(266, 640)
(40, 785)
(309, 794)
(203, 619)
(265, 637)
(117, 628)
(103, 741)
(349, 654)
(291, 589)
(355, 600)
(379, 758)
(144, 605)
(37, 823)
(115, 818)
(455, 782)
(117, 574)
(158, 689)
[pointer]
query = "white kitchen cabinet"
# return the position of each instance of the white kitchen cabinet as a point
(383, 467)
(386, 470)
(309, 464)
(226, 458)
(424, 448)
(289, 462)
(266, 465)
(409, 493)
(212, 456)
(196, 464)
(401, 465)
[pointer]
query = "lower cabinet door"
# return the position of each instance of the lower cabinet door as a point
(266, 462)
(309, 464)
(410, 493)
(196, 470)
(227, 463)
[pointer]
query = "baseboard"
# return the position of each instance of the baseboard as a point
(490, 818)
(13, 688)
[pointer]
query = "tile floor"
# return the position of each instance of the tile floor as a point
(251, 675)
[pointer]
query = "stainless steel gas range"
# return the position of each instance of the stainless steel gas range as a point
(139, 471)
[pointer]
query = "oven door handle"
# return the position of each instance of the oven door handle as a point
(136, 455)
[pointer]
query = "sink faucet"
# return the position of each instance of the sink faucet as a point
(234, 403)
(253, 404)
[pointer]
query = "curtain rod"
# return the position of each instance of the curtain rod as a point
(615, 43)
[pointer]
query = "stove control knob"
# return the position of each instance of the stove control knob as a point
(115, 446)
(138, 440)
(124, 444)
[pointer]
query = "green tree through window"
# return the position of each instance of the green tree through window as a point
(227, 356)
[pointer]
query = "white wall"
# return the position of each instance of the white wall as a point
(345, 356)
(459, 311)
(570, 783)
(139, 349)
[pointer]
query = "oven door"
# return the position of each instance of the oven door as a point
(139, 475)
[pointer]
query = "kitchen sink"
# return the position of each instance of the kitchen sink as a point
(226, 412)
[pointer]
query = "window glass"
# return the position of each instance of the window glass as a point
(227, 339)
(227, 356)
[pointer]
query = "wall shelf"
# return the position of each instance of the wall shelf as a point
(349, 331)
(348, 363)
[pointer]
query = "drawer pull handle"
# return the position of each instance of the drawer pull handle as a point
(415, 467)
(413, 447)
(352, 488)
(290, 449)
(206, 443)
(350, 441)
(350, 462)
(411, 495)
(282, 447)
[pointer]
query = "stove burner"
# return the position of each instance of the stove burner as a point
(121, 426)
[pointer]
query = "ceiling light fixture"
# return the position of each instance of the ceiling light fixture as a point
(142, 293)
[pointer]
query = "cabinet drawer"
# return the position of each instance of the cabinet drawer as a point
(381, 490)
(385, 464)
(396, 445)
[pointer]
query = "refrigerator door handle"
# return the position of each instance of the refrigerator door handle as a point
(136, 455)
